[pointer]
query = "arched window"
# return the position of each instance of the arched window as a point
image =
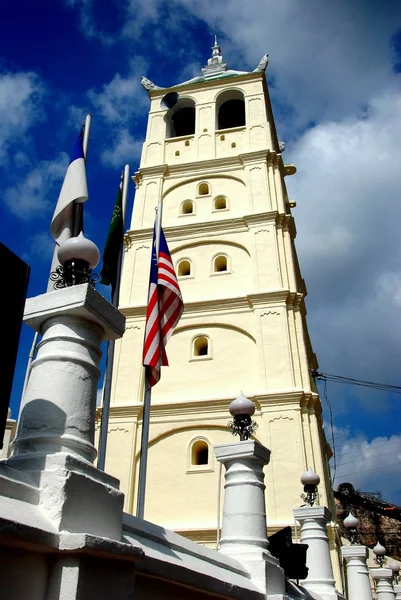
(201, 346)
(203, 189)
(187, 207)
(220, 264)
(199, 457)
(181, 119)
(230, 107)
(220, 203)
(184, 268)
(200, 453)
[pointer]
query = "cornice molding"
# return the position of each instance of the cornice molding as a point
(255, 156)
(149, 172)
(209, 167)
(214, 409)
(211, 228)
(259, 300)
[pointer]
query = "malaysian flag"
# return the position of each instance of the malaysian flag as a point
(165, 307)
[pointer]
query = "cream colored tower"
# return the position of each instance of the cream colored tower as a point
(215, 161)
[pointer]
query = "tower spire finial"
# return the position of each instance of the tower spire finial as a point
(215, 64)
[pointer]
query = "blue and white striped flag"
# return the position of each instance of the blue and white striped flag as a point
(74, 191)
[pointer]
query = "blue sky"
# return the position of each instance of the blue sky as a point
(335, 86)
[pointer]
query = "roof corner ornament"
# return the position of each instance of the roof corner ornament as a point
(148, 85)
(215, 64)
(264, 61)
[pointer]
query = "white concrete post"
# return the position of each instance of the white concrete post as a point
(58, 409)
(397, 590)
(313, 520)
(383, 579)
(357, 572)
(244, 533)
(56, 426)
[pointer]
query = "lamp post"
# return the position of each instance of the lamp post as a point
(355, 558)
(78, 256)
(310, 480)
(242, 409)
(313, 520)
(379, 551)
(351, 523)
(244, 530)
(395, 568)
(382, 576)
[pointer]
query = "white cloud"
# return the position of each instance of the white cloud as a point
(36, 194)
(327, 59)
(88, 24)
(20, 97)
(123, 97)
(347, 215)
(99, 396)
(41, 247)
(389, 287)
(371, 466)
(124, 147)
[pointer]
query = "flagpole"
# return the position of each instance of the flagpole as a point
(77, 223)
(140, 507)
(101, 460)
(78, 207)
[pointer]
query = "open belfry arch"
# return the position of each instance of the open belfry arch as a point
(215, 161)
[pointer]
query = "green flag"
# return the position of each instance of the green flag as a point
(112, 250)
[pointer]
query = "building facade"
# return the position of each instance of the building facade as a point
(212, 155)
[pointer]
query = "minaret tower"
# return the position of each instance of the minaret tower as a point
(212, 155)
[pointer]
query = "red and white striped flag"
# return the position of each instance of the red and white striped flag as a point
(165, 307)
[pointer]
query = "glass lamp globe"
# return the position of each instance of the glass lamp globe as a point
(379, 550)
(395, 567)
(310, 478)
(79, 248)
(351, 522)
(242, 406)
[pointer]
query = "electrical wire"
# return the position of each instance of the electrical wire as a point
(370, 447)
(333, 474)
(366, 442)
(326, 377)
(363, 458)
(366, 470)
(395, 389)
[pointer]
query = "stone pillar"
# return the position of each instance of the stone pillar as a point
(397, 590)
(357, 572)
(56, 426)
(313, 520)
(244, 532)
(383, 579)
